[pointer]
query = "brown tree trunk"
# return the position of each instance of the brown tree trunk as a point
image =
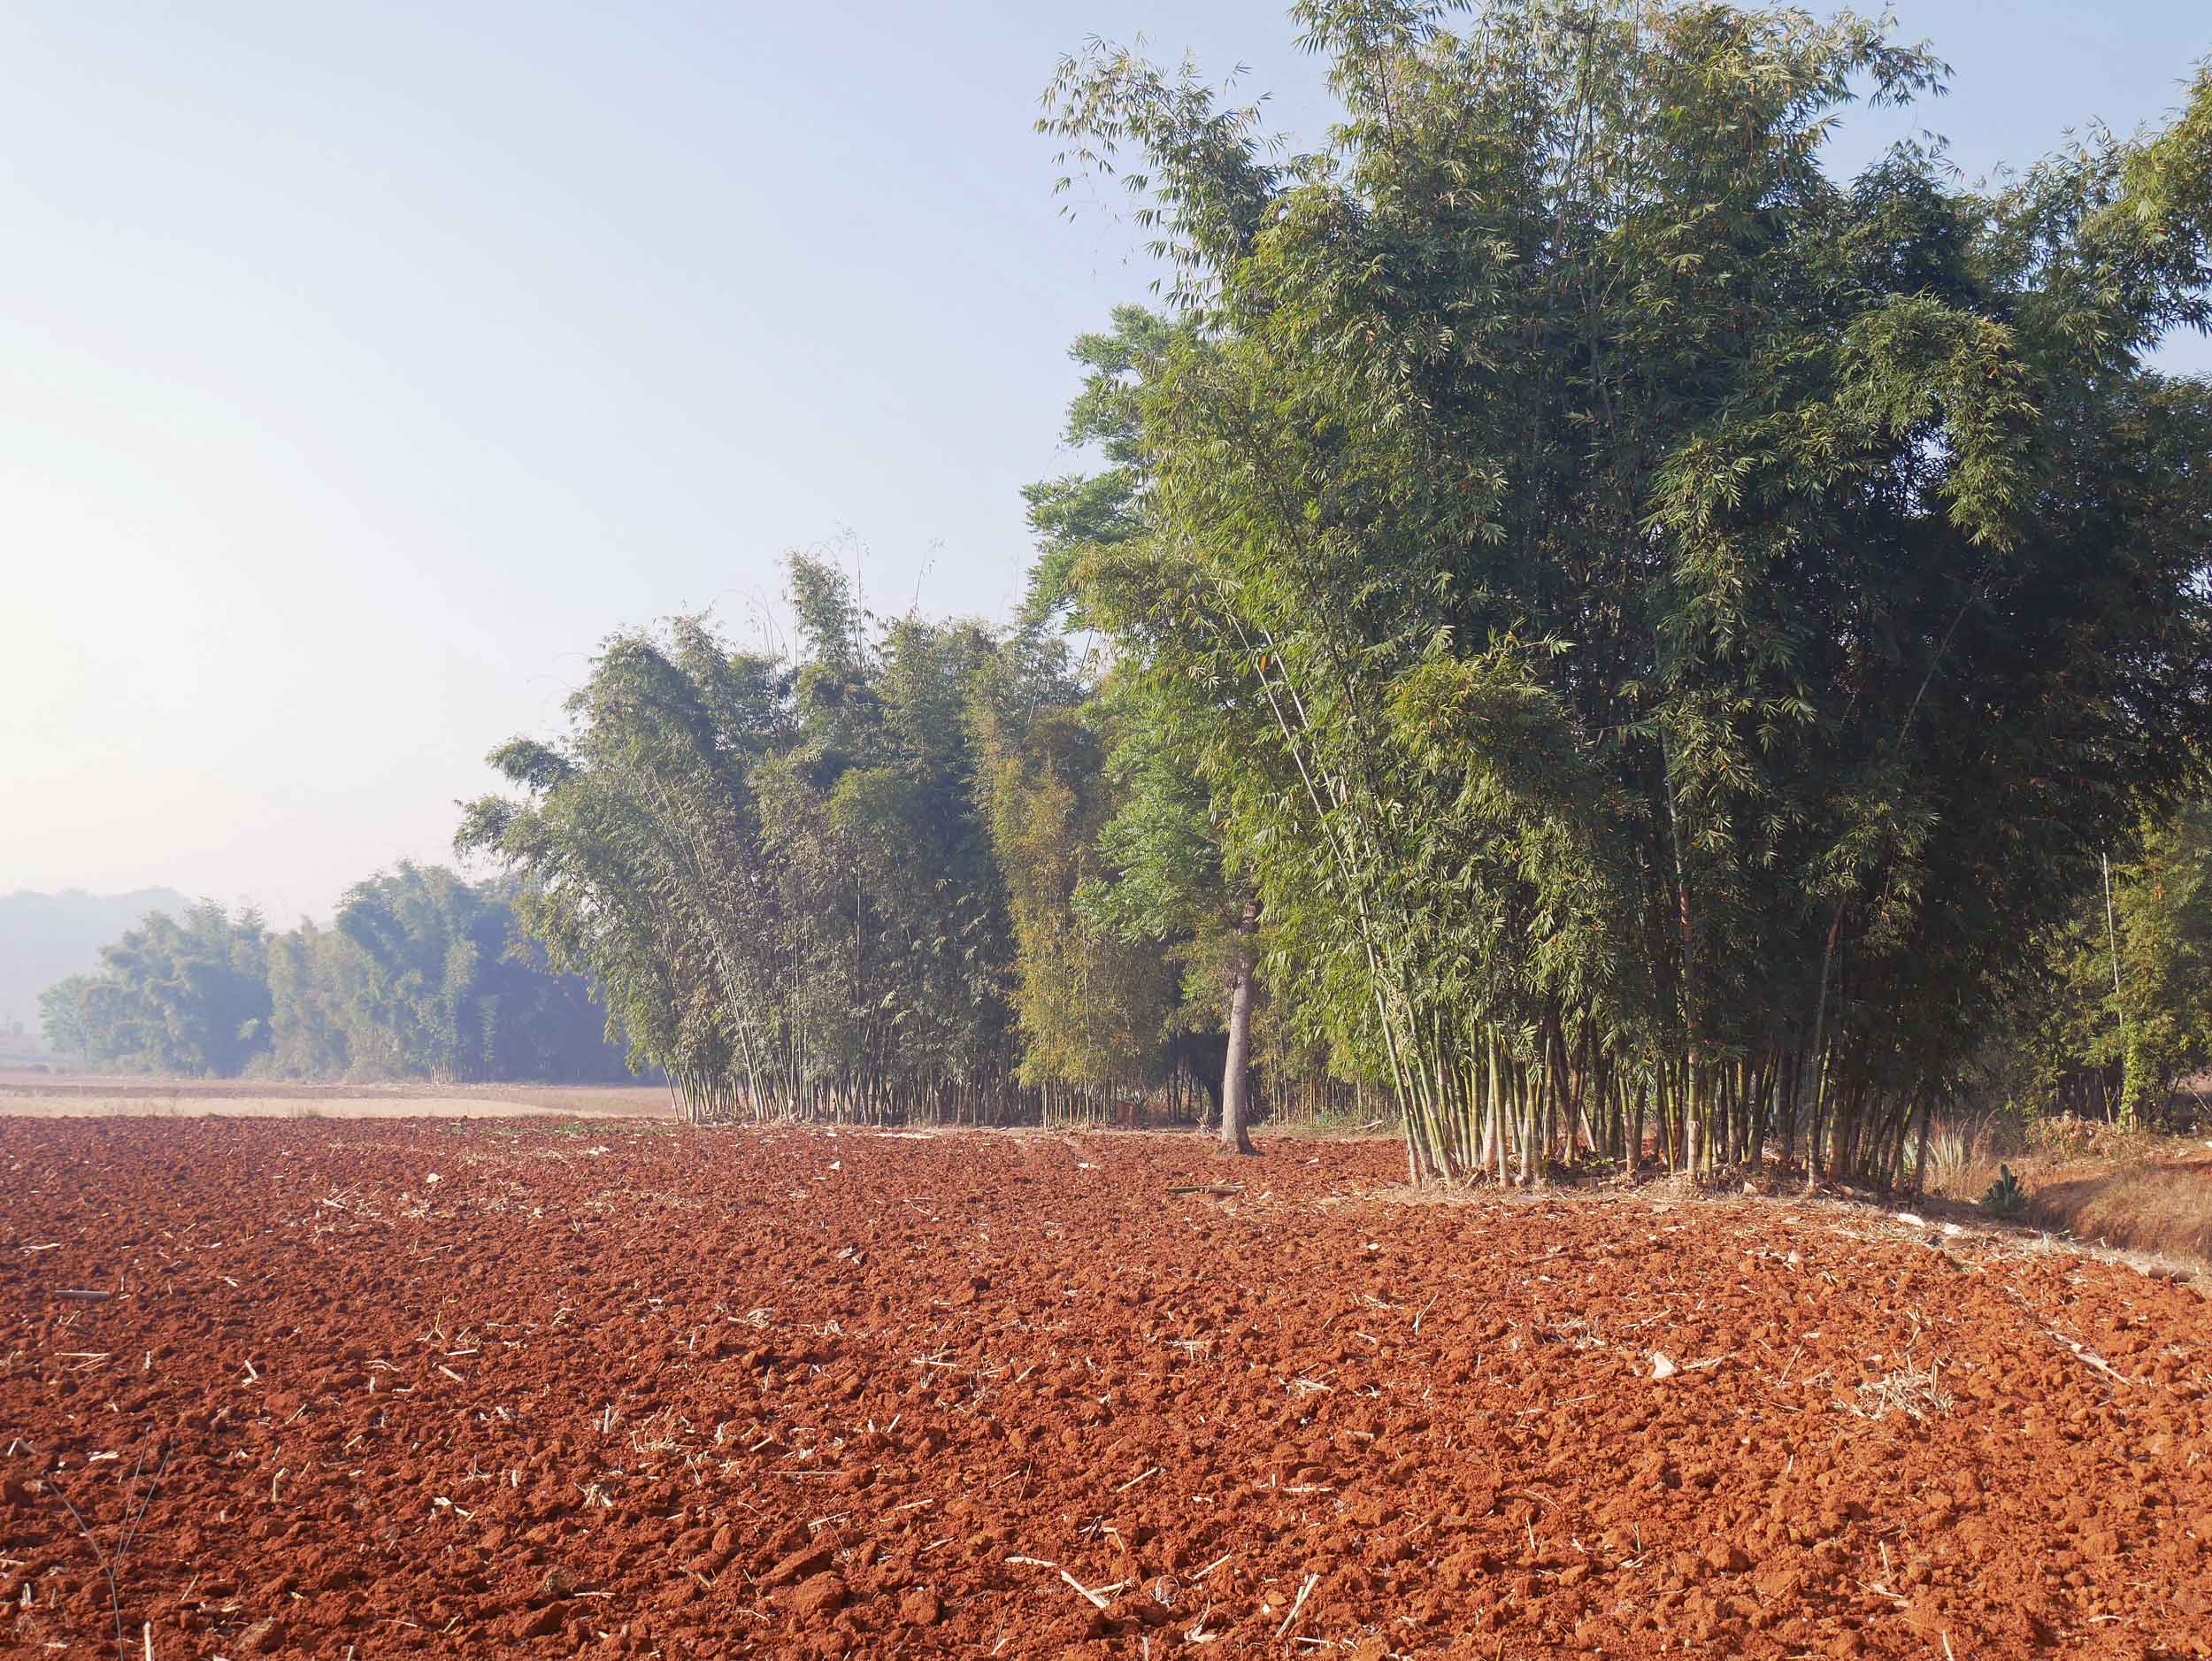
(1235, 1074)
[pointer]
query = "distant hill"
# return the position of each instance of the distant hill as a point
(44, 937)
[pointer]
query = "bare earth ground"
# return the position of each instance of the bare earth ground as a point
(30, 1092)
(636, 1390)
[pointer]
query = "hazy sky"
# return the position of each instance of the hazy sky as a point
(362, 365)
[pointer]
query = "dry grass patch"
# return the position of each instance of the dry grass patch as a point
(2162, 1207)
(2135, 1191)
(1908, 1390)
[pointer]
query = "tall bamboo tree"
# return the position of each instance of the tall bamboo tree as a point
(1672, 615)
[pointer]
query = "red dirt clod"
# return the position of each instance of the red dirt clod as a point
(918, 1606)
(1725, 1558)
(807, 1560)
(541, 1622)
(815, 1598)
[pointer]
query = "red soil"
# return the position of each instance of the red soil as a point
(789, 1393)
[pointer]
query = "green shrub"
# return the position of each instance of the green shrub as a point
(2006, 1197)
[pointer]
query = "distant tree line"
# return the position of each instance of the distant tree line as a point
(45, 936)
(422, 975)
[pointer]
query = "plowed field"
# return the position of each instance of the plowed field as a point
(406, 1388)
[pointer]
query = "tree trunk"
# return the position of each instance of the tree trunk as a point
(1235, 1073)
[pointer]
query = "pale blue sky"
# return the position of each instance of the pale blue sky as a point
(362, 365)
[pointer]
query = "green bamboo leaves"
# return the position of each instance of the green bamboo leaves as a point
(1673, 619)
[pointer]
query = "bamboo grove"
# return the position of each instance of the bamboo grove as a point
(1675, 620)
(841, 882)
(1609, 633)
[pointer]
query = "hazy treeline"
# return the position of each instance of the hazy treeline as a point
(45, 936)
(1604, 633)
(421, 976)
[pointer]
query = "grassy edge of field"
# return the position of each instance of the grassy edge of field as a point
(2141, 1193)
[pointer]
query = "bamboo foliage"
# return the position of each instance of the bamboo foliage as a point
(1624, 636)
(777, 870)
(1676, 618)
